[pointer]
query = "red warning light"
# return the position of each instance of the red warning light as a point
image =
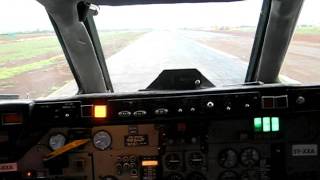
(30, 174)
(12, 118)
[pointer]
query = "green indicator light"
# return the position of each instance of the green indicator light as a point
(257, 124)
(275, 124)
(266, 124)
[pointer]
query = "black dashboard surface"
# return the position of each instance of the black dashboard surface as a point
(252, 132)
(158, 107)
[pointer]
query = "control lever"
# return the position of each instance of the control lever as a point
(64, 149)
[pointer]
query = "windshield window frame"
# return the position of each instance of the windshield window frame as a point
(256, 48)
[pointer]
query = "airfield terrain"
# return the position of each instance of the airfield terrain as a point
(33, 65)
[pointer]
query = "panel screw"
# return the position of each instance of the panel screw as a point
(197, 82)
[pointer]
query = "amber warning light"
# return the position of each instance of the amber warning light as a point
(100, 111)
(149, 163)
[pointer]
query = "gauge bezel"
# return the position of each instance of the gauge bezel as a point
(178, 166)
(188, 177)
(242, 151)
(246, 172)
(55, 134)
(197, 167)
(237, 156)
(231, 171)
(111, 177)
(99, 131)
(174, 173)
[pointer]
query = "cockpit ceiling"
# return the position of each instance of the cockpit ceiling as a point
(134, 2)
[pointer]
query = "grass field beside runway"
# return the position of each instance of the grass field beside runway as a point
(38, 54)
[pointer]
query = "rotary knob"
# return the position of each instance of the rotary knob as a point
(300, 100)
(210, 104)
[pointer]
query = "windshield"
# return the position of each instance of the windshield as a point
(32, 63)
(302, 61)
(139, 42)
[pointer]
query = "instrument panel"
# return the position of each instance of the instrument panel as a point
(252, 133)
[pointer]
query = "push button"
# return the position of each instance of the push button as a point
(268, 102)
(140, 113)
(281, 102)
(161, 111)
(124, 114)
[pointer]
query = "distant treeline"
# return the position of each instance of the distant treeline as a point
(308, 29)
(28, 32)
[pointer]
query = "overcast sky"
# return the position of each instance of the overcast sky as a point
(29, 15)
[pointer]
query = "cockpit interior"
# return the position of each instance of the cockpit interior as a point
(122, 123)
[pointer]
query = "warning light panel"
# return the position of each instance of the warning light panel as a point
(257, 124)
(266, 124)
(100, 111)
(12, 118)
(275, 124)
(150, 163)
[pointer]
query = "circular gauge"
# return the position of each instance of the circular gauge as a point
(196, 160)
(102, 140)
(228, 175)
(249, 157)
(228, 158)
(249, 175)
(172, 161)
(108, 178)
(56, 141)
(174, 176)
(196, 176)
